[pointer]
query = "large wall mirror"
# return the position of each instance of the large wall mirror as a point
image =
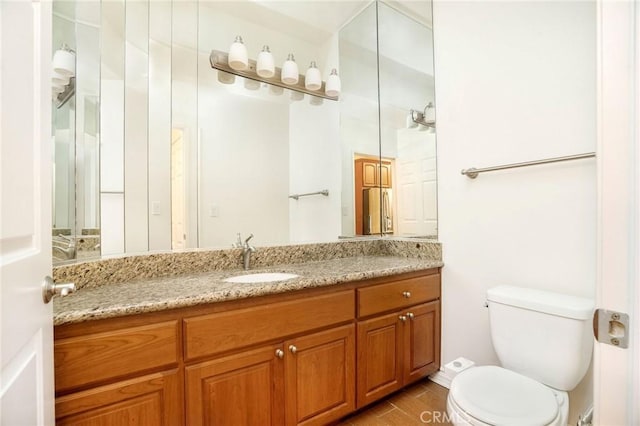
(156, 150)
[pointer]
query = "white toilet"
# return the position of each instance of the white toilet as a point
(544, 342)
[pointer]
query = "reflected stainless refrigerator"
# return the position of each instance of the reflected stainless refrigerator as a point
(377, 211)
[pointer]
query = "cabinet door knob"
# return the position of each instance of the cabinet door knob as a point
(406, 294)
(280, 353)
(402, 318)
(410, 315)
(293, 349)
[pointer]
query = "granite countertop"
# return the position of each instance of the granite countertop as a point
(157, 294)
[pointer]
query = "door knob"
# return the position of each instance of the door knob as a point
(293, 349)
(280, 353)
(49, 289)
(406, 294)
(410, 315)
(402, 318)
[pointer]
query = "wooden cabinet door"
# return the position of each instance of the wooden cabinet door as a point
(380, 343)
(422, 341)
(241, 389)
(320, 376)
(154, 399)
(370, 174)
(385, 175)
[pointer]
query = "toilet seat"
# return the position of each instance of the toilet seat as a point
(497, 396)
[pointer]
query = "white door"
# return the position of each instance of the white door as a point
(26, 348)
(616, 370)
(416, 183)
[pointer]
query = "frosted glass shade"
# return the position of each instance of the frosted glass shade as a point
(275, 90)
(316, 100)
(238, 57)
(57, 89)
(64, 63)
(313, 78)
(289, 73)
(296, 96)
(59, 79)
(333, 85)
(226, 78)
(265, 66)
(251, 84)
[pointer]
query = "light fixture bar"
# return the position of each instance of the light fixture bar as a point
(219, 61)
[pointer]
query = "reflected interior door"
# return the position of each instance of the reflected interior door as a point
(26, 349)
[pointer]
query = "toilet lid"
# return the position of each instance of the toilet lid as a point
(498, 396)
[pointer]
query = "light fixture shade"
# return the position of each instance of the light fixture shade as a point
(57, 89)
(430, 112)
(265, 66)
(316, 100)
(289, 73)
(313, 78)
(59, 79)
(333, 85)
(64, 63)
(251, 84)
(297, 96)
(238, 57)
(275, 90)
(226, 78)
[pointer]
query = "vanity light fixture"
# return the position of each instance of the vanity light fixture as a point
(333, 86)
(238, 57)
(265, 66)
(63, 82)
(289, 74)
(425, 118)
(220, 62)
(313, 78)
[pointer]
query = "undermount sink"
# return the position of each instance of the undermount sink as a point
(265, 277)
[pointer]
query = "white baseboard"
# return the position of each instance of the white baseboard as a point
(441, 378)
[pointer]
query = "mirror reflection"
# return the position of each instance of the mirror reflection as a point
(156, 150)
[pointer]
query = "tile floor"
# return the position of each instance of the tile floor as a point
(424, 403)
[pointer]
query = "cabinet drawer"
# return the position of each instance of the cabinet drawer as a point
(398, 294)
(101, 356)
(216, 333)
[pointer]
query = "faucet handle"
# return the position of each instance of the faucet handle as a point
(246, 242)
(238, 242)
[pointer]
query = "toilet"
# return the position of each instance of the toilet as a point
(544, 342)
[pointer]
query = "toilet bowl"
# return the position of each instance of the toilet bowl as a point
(491, 395)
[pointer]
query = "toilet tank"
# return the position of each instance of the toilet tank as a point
(544, 335)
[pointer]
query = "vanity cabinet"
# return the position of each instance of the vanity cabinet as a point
(398, 347)
(288, 359)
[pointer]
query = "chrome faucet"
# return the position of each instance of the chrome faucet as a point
(57, 246)
(246, 250)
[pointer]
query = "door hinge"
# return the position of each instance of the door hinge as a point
(611, 327)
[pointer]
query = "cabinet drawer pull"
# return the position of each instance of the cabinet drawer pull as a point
(410, 315)
(280, 353)
(406, 294)
(293, 349)
(402, 318)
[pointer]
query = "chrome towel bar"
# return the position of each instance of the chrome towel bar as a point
(472, 173)
(324, 192)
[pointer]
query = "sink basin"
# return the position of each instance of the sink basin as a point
(265, 277)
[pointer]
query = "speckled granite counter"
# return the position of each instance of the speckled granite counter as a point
(160, 293)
